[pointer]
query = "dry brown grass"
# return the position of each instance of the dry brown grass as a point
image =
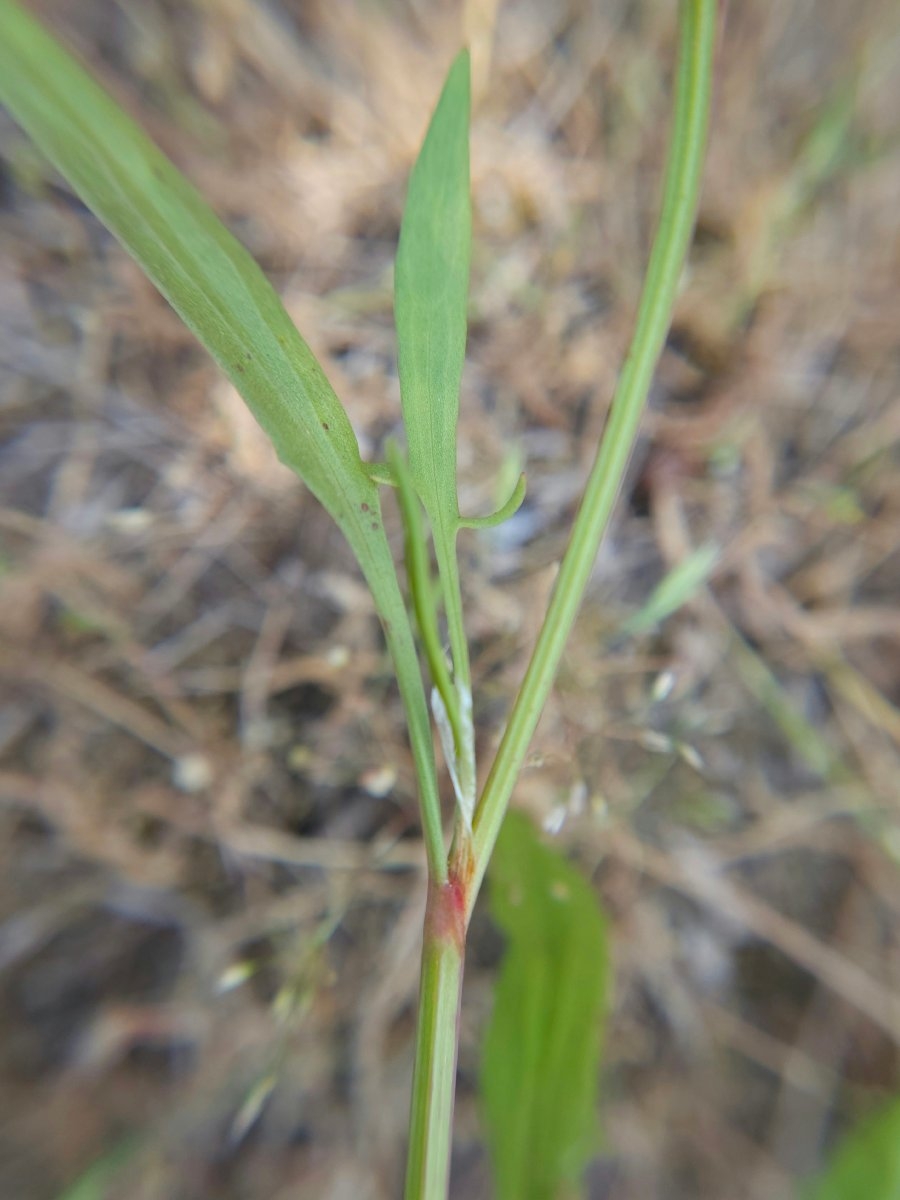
(211, 893)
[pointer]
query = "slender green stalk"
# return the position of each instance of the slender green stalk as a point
(683, 173)
(402, 649)
(437, 1038)
(464, 777)
(421, 590)
(448, 569)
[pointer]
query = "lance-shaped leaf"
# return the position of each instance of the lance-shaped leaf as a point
(205, 274)
(431, 287)
(224, 298)
(431, 284)
(541, 1057)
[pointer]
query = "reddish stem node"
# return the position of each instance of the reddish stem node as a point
(445, 914)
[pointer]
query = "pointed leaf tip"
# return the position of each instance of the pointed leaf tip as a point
(506, 510)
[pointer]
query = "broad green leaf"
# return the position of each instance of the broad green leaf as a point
(431, 287)
(866, 1165)
(224, 298)
(541, 1059)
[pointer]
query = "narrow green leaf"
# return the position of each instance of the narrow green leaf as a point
(542, 1049)
(431, 287)
(867, 1163)
(224, 298)
(207, 276)
(675, 589)
(95, 1182)
(431, 284)
(810, 743)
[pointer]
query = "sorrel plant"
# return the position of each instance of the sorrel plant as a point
(226, 301)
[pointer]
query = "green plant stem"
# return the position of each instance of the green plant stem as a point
(448, 570)
(437, 1037)
(421, 591)
(402, 649)
(683, 173)
(456, 698)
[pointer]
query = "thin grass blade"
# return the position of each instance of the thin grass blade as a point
(431, 289)
(95, 1183)
(679, 586)
(204, 273)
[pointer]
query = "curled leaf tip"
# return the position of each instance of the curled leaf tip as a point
(503, 513)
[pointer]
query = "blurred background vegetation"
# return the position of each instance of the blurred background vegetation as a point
(211, 887)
